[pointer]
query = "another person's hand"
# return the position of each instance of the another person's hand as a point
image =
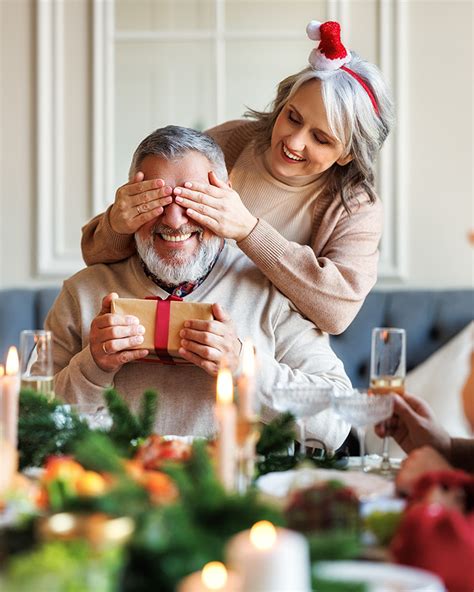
(206, 343)
(138, 202)
(421, 460)
(413, 424)
(112, 336)
(217, 207)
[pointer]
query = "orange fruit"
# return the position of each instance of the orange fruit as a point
(160, 486)
(62, 468)
(91, 483)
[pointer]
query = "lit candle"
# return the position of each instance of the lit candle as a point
(246, 381)
(268, 559)
(226, 416)
(9, 391)
(214, 577)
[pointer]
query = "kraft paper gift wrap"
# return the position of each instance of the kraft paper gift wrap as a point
(170, 319)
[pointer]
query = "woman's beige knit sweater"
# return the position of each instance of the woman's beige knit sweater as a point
(323, 259)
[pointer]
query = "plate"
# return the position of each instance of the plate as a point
(381, 577)
(366, 486)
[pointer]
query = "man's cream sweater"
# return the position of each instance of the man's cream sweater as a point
(288, 345)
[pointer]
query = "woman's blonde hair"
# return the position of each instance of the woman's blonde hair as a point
(352, 119)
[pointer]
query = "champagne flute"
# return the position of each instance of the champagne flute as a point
(36, 361)
(362, 409)
(303, 400)
(387, 371)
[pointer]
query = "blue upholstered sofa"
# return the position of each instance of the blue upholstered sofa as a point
(430, 317)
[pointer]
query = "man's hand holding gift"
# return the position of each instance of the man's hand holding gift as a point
(113, 337)
(207, 343)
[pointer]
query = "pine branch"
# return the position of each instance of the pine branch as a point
(95, 451)
(45, 428)
(148, 410)
(128, 428)
(277, 436)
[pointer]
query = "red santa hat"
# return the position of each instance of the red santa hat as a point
(330, 54)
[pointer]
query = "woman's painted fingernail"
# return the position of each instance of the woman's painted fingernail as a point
(178, 199)
(188, 185)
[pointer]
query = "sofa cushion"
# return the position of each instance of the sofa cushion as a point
(431, 318)
(22, 309)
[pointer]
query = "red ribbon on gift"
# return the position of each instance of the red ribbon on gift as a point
(162, 325)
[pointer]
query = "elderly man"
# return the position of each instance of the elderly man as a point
(92, 349)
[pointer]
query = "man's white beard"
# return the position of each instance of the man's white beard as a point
(179, 267)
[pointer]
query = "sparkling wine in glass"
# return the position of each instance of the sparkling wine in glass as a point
(362, 409)
(303, 400)
(387, 371)
(36, 361)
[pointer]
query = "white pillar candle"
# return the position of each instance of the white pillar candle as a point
(214, 577)
(246, 382)
(9, 392)
(226, 416)
(269, 559)
(9, 397)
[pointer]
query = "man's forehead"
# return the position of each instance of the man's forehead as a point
(193, 166)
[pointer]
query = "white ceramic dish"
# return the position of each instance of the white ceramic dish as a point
(380, 577)
(366, 486)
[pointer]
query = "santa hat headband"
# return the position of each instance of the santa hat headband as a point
(330, 54)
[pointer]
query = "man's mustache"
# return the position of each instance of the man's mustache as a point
(184, 229)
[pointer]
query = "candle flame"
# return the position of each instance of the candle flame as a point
(2, 370)
(248, 358)
(263, 535)
(225, 388)
(13, 364)
(214, 575)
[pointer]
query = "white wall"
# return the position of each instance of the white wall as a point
(436, 131)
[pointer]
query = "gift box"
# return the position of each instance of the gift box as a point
(163, 320)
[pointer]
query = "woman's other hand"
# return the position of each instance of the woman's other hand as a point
(217, 207)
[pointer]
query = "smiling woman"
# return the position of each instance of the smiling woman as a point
(302, 204)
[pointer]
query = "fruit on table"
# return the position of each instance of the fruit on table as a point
(65, 468)
(91, 483)
(160, 486)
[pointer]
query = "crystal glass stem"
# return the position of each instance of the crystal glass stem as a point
(385, 465)
(302, 425)
(361, 435)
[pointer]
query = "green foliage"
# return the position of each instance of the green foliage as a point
(334, 545)
(277, 436)
(175, 540)
(63, 567)
(96, 451)
(49, 427)
(322, 585)
(45, 428)
(128, 428)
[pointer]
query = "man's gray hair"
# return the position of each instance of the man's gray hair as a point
(173, 142)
